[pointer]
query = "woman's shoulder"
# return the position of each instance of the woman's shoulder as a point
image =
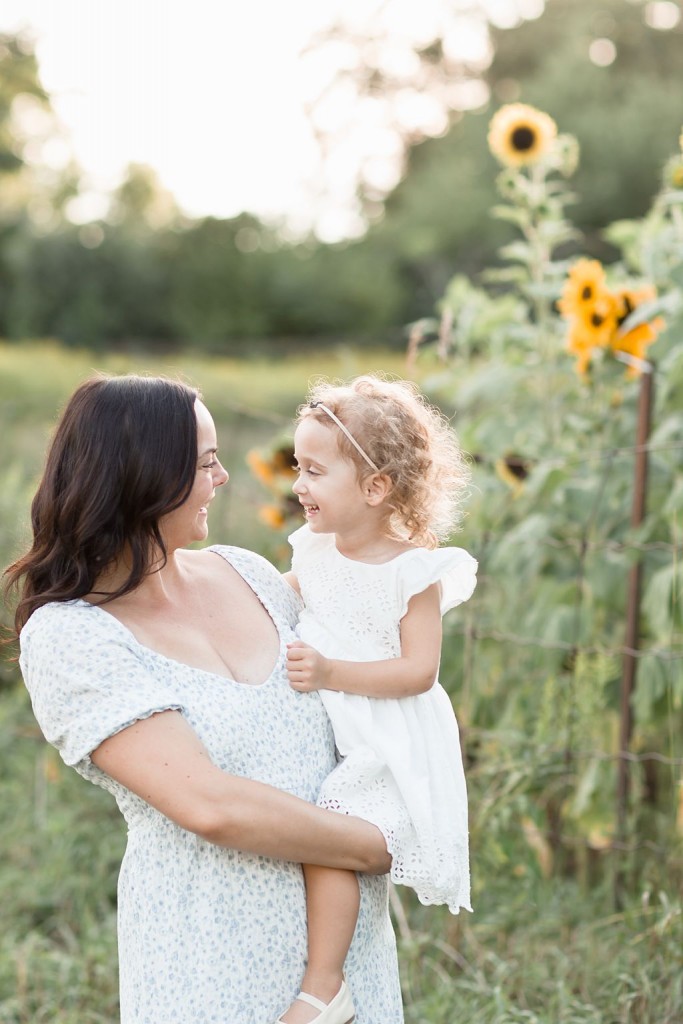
(244, 560)
(61, 620)
(265, 580)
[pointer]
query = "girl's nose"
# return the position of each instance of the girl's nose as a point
(297, 486)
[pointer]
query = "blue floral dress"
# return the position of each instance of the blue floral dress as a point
(207, 935)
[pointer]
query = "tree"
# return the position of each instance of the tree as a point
(626, 116)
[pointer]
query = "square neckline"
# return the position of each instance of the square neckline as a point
(217, 549)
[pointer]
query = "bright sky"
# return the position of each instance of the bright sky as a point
(209, 93)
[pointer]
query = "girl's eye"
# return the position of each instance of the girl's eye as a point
(312, 472)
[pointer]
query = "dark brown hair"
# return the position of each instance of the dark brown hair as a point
(123, 455)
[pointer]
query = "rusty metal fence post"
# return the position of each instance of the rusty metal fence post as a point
(632, 635)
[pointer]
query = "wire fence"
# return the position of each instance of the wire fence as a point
(623, 838)
(626, 836)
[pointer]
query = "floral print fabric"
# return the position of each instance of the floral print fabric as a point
(207, 935)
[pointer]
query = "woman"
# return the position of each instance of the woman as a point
(159, 673)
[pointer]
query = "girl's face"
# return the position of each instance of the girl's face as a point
(327, 485)
(188, 523)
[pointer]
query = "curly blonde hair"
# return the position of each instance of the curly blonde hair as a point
(409, 441)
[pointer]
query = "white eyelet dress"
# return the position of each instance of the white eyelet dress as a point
(207, 935)
(402, 766)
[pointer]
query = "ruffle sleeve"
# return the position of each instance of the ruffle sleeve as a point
(454, 568)
(86, 678)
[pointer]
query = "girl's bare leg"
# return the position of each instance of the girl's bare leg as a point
(332, 902)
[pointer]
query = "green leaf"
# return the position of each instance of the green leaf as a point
(662, 602)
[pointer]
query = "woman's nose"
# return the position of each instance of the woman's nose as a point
(222, 476)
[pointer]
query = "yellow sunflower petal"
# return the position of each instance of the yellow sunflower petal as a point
(636, 340)
(599, 321)
(584, 286)
(262, 470)
(272, 516)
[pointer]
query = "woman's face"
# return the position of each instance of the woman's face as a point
(188, 523)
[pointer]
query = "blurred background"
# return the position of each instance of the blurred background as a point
(253, 197)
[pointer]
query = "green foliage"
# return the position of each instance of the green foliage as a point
(543, 949)
(145, 274)
(546, 951)
(550, 523)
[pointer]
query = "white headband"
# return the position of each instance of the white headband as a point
(346, 432)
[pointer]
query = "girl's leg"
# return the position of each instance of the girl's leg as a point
(332, 903)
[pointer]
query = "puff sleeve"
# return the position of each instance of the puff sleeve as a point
(454, 568)
(306, 545)
(87, 678)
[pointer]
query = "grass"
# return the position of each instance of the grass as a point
(538, 950)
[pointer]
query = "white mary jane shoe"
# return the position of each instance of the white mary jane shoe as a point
(340, 1011)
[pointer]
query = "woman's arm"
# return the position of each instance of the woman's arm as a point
(162, 760)
(414, 672)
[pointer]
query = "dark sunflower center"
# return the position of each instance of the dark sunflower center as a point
(587, 292)
(597, 320)
(523, 138)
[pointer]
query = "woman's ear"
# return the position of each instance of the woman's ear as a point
(377, 488)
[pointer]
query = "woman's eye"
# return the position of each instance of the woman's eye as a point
(210, 465)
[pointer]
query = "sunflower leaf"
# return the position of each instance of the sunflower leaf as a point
(513, 214)
(520, 252)
(501, 275)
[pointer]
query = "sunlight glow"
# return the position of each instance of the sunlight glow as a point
(662, 15)
(602, 52)
(214, 97)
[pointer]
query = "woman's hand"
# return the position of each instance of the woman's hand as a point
(307, 669)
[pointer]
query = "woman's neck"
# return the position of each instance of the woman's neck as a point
(162, 577)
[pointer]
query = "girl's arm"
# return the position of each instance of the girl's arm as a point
(162, 760)
(290, 578)
(414, 672)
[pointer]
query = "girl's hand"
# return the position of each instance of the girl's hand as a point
(307, 669)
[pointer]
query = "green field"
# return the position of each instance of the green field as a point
(545, 944)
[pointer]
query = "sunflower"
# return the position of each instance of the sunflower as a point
(260, 467)
(636, 341)
(272, 516)
(672, 174)
(520, 134)
(513, 470)
(585, 285)
(580, 344)
(283, 461)
(594, 329)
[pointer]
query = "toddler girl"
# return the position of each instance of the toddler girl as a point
(381, 479)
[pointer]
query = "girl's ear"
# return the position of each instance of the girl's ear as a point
(377, 488)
